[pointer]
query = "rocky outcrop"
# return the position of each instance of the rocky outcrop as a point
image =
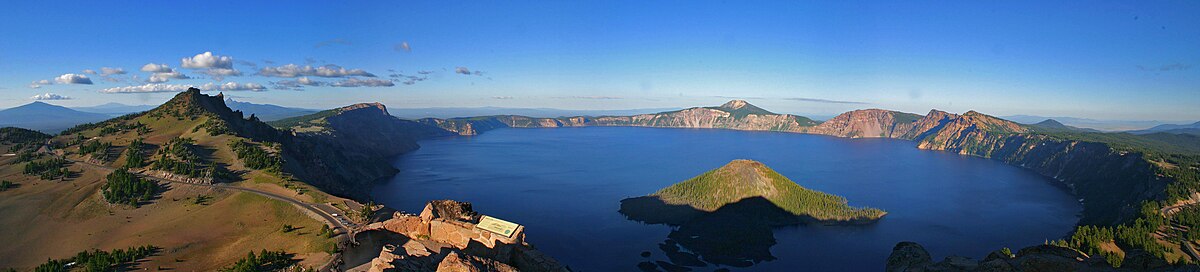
(871, 123)
(467, 248)
(912, 257)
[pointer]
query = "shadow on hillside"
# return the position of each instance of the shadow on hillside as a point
(738, 234)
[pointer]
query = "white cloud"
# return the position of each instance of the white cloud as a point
(403, 46)
(164, 77)
(172, 88)
(156, 68)
(39, 83)
(108, 71)
(148, 88)
(367, 82)
(233, 86)
(49, 96)
(73, 79)
(89, 71)
(292, 70)
(307, 81)
(207, 60)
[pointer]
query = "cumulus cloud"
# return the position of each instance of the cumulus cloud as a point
(403, 47)
(232, 86)
(827, 101)
(167, 76)
(173, 88)
(207, 60)
(73, 79)
(424, 72)
(297, 84)
(49, 96)
(156, 68)
(89, 71)
(108, 71)
(366, 82)
(148, 88)
(39, 83)
(293, 70)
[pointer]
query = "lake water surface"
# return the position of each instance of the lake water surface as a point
(565, 185)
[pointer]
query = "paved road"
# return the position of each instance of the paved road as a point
(311, 207)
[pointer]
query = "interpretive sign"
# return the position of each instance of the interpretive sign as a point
(497, 226)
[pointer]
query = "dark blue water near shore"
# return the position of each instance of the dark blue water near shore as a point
(565, 185)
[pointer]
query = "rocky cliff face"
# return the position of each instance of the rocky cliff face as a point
(736, 114)
(352, 145)
(871, 123)
(1112, 184)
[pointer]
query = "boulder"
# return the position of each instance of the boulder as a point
(908, 256)
(467, 263)
(450, 209)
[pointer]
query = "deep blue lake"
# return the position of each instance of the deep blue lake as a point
(565, 185)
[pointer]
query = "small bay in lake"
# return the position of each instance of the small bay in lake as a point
(565, 185)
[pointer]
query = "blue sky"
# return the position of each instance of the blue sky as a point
(1116, 60)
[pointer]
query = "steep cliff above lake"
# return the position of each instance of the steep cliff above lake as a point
(355, 143)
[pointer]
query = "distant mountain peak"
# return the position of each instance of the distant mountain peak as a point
(1051, 123)
(736, 104)
(741, 107)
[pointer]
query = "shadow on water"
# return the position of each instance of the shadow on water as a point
(738, 234)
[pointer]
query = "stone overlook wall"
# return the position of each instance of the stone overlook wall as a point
(457, 244)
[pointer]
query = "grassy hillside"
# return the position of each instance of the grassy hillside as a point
(742, 179)
(190, 138)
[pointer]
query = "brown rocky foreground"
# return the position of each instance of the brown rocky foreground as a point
(912, 257)
(444, 238)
